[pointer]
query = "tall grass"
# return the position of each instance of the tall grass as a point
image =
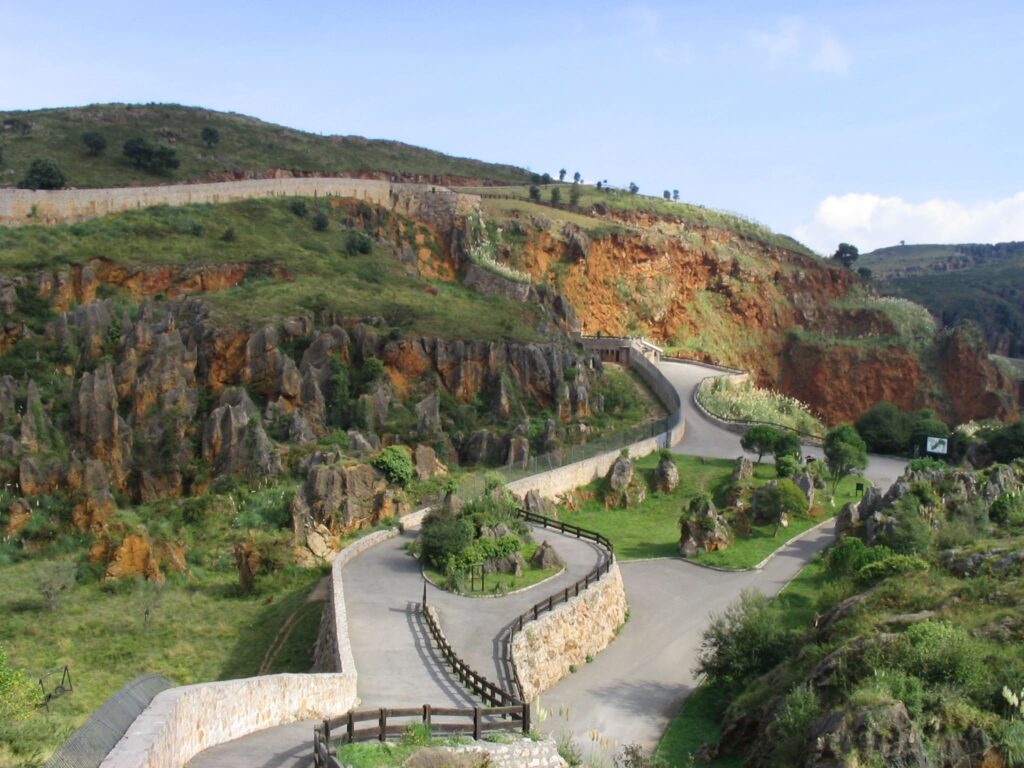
(745, 402)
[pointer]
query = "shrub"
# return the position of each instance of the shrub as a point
(147, 156)
(396, 464)
(940, 653)
(910, 534)
(783, 498)
(210, 136)
(321, 222)
(885, 686)
(798, 709)
(18, 695)
(299, 208)
(43, 174)
(787, 444)
(1011, 742)
(760, 439)
(94, 143)
(884, 429)
(357, 242)
(743, 642)
(444, 537)
(1007, 508)
(893, 565)
(851, 554)
(787, 466)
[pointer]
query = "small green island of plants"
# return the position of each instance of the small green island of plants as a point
(483, 547)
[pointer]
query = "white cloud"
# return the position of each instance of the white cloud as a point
(795, 43)
(870, 221)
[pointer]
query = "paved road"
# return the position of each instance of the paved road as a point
(626, 695)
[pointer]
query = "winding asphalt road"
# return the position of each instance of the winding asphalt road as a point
(626, 695)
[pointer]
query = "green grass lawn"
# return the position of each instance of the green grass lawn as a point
(652, 529)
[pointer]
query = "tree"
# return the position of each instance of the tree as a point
(556, 196)
(534, 192)
(599, 184)
(865, 274)
(321, 222)
(210, 136)
(787, 444)
(576, 178)
(845, 453)
(43, 174)
(847, 254)
(94, 142)
(675, 195)
(561, 174)
(574, 195)
(884, 428)
(545, 178)
(742, 643)
(633, 188)
(155, 158)
(780, 500)
(667, 195)
(339, 405)
(443, 536)
(761, 439)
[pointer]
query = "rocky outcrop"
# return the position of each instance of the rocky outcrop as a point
(234, 439)
(426, 464)
(666, 475)
(624, 487)
(885, 731)
(703, 529)
(98, 426)
(546, 557)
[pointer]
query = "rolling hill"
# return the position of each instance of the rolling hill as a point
(980, 283)
(247, 148)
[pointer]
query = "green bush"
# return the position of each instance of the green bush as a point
(910, 534)
(851, 555)
(890, 685)
(43, 174)
(356, 243)
(782, 498)
(321, 222)
(798, 710)
(893, 565)
(1011, 742)
(444, 537)
(940, 653)
(299, 208)
(787, 466)
(396, 464)
(18, 694)
(1008, 508)
(742, 643)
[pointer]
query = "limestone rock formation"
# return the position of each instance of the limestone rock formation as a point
(427, 464)
(624, 489)
(536, 504)
(234, 439)
(337, 499)
(546, 557)
(703, 529)
(742, 470)
(666, 475)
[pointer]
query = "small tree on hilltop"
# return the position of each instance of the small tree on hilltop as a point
(675, 195)
(667, 195)
(43, 174)
(94, 142)
(556, 196)
(845, 453)
(576, 178)
(760, 439)
(561, 174)
(633, 188)
(847, 254)
(210, 136)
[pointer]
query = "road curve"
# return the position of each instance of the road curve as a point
(628, 694)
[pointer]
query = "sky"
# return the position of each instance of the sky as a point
(868, 122)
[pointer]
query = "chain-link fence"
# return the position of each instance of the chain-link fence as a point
(90, 744)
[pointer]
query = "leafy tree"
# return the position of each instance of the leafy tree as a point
(534, 192)
(18, 696)
(884, 428)
(357, 242)
(675, 195)
(865, 274)
(922, 425)
(210, 136)
(154, 158)
(299, 208)
(761, 439)
(600, 185)
(396, 464)
(845, 453)
(576, 178)
(556, 196)
(535, 178)
(545, 178)
(95, 143)
(784, 498)
(787, 444)
(574, 195)
(667, 195)
(370, 373)
(787, 465)
(847, 254)
(340, 404)
(742, 643)
(1007, 443)
(43, 174)
(561, 174)
(633, 188)
(444, 536)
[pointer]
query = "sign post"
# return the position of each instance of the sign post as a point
(937, 445)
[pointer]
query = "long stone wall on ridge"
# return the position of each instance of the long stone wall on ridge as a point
(430, 203)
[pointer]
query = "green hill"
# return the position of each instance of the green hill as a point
(976, 282)
(247, 147)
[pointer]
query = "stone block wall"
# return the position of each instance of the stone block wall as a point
(438, 206)
(546, 649)
(182, 722)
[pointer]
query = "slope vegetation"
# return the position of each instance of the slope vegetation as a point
(980, 283)
(246, 148)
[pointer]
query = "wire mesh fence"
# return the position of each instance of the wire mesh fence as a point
(90, 744)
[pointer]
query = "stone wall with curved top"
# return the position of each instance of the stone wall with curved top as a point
(430, 203)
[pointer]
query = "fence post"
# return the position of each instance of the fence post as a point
(383, 724)
(476, 723)
(327, 732)
(526, 717)
(350, 727)
(426, 717)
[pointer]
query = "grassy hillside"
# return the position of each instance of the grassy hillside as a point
(247, 146)
(980, 283)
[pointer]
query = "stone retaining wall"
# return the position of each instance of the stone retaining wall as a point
(182, 722)
(430, 203)
(548, 648)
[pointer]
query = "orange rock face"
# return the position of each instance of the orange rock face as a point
(134, 558)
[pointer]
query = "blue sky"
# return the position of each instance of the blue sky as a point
(870, 122)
